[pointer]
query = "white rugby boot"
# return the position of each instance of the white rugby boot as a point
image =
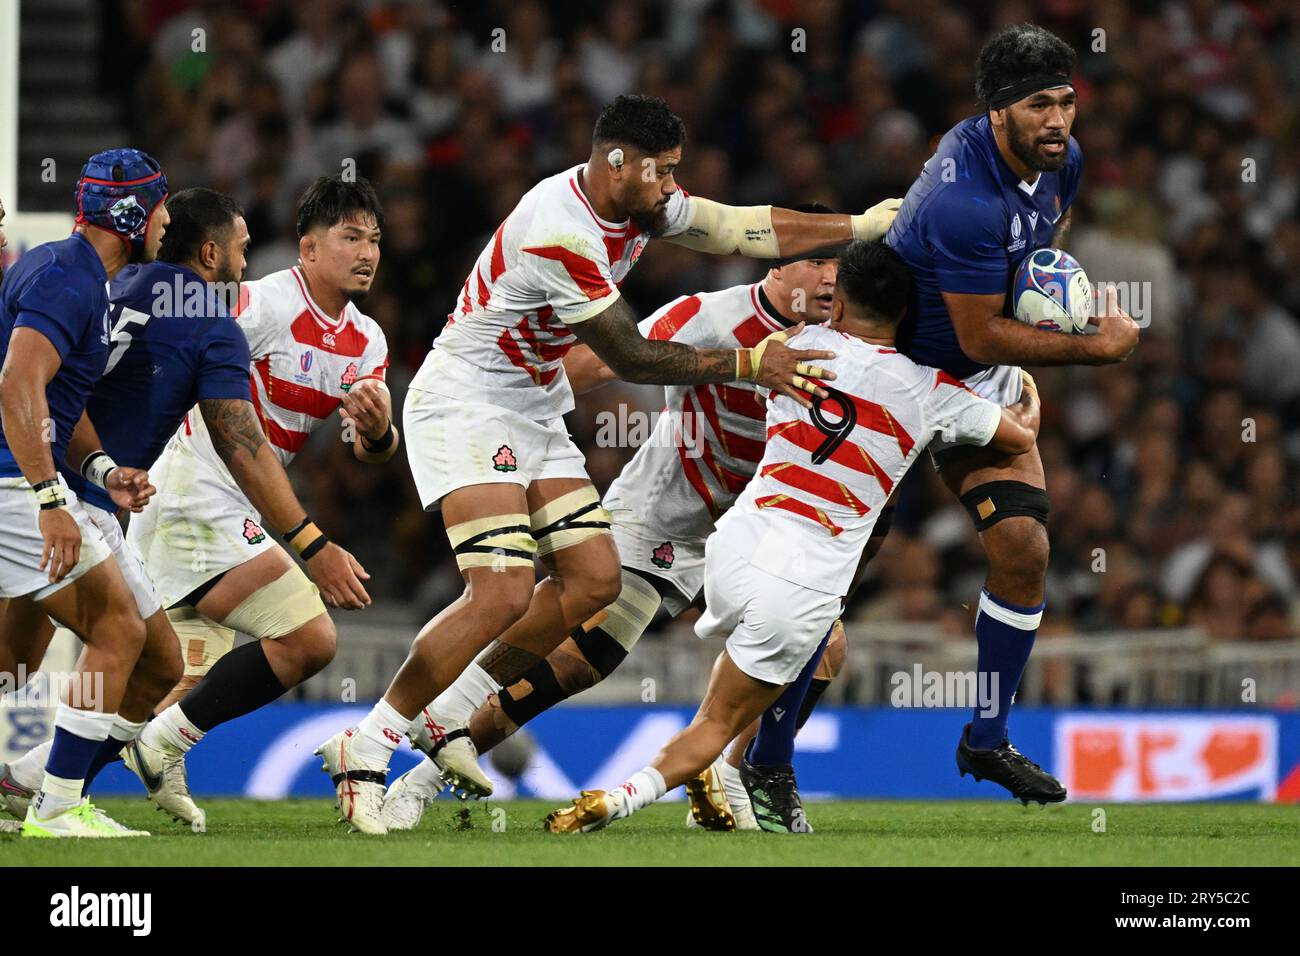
(80, 820)
(358, 783)
(162, 771)
(448, 744)
(410, 793)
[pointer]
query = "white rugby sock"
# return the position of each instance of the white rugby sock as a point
(56, 795)
(171, 730)
(427, 776)
(640, 790)
(466, 694)
(80, 731)
(379, 733)
(127, 730)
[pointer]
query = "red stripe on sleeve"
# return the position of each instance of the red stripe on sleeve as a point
(581, 270)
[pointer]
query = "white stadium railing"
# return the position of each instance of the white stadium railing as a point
(1157, 668)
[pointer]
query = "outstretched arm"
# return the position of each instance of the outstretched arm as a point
(769, 232)
(614, 337)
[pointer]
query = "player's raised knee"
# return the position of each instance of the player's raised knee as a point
(315, 644)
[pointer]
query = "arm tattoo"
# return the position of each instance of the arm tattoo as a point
(233, 425)
(505, 664)
(1062, 233)
(614, 337)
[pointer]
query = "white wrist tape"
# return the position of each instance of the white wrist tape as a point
(96, 467)
(722, 230)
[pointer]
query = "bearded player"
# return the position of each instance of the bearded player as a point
(484, 413)
(785, 555)
(999, 186)
(176, 347)
(215, 566)
(704, 448)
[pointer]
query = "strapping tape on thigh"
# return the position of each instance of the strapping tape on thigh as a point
(498, 541)
(568, 520)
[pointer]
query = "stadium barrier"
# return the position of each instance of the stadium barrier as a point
(1157, 668)
(883, 753)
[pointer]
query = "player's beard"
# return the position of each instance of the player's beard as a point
(654, 222)
(1025, 148)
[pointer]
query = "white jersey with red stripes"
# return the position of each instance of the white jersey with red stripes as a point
(708, 440)
(303, 363)
(553, 263)
(826, 472)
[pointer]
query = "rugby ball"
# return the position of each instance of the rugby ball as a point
(1051, 291)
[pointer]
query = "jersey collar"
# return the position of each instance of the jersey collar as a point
(323, 320)
(614, 228)
(765, 310)
(89, 250)
(1005, 173)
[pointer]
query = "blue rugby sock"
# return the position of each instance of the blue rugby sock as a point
(773, 746)
(1005, 633)
(78, 735)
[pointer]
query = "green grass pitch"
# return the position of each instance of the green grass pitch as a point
(303, 833)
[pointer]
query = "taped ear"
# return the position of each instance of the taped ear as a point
(615, 158)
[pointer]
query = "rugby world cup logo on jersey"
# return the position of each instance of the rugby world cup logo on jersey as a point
(1017, 241)
(305, 360)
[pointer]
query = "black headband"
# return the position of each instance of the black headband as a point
(1027, 87)
(825, 252)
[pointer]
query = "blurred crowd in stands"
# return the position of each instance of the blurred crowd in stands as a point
(1174, 477)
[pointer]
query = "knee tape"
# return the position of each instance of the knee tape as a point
(600, 650)
(568, 520)
(203, 641)
(498, 541)
(536, 691)
(278, 608)
(631, 613)
(992, 501)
